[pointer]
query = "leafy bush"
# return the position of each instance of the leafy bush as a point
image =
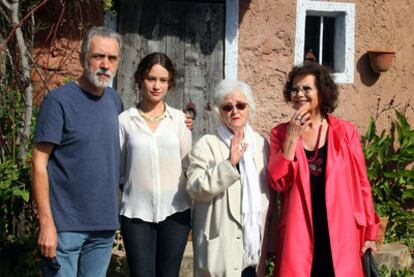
(19, 259)
(270, 266)
(386, 272)
(390, 156)
(17, 217)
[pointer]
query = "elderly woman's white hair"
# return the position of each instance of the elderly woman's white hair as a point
(227, 86)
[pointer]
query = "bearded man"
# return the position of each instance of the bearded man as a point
(76, 164)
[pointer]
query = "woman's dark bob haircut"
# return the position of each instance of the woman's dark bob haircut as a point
(149, 61)
(328, 91)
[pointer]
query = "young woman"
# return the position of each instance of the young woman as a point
(155, 209)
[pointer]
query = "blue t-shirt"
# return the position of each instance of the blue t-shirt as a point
(83, 168)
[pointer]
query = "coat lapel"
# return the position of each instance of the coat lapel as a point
(304, 186)
(334, 147)
(234, 200)
(234, 191)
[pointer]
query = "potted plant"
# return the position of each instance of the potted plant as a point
(389, 156)
(380, 59)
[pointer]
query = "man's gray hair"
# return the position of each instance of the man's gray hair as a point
(100, 32)
(227, 86)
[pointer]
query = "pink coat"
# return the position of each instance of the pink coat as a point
(350, 211)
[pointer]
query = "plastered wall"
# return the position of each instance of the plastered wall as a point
(266, 54)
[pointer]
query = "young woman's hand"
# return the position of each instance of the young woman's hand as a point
(188, 121)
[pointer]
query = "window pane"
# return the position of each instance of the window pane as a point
(312, 34)
(328, 42)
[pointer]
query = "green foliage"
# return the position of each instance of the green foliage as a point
(67, 79)
(107, 5)
(110, 6)
(390, 157)
(270, 266)
(10, 185)
(20, 259)
(17, 218)
(387, 272)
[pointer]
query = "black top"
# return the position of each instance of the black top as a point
(322, 258)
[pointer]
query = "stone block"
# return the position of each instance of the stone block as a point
(394, 255)
(187, 262)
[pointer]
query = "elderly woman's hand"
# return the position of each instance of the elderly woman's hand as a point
(369, 244)
(237, 147)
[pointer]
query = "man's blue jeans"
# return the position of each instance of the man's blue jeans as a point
(82, 254)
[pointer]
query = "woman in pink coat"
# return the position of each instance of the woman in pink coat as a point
(316, 161)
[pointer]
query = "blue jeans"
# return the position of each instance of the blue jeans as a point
(82, 254)
(155, 249)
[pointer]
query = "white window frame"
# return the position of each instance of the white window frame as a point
(347, 45)
(231, 45)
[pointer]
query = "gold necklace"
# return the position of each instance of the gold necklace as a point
(156, 118)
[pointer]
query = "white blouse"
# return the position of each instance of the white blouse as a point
(153, 165)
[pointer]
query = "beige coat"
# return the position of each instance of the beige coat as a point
(214, 184)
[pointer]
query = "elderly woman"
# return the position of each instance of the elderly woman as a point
(228, 182)
(316, 161)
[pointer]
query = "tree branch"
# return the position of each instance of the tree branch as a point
(28, 90)
(38, 71)
(18, 24)
(6, 4)
(31, 58)
(11, 60)
(3, 11)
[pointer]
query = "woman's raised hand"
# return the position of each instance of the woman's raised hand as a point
(237, 147)
(299, 122)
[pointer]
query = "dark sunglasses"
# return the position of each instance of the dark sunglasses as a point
(296, 90)
(229, 107)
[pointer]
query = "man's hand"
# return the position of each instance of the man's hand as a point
(47, 240)
(188, 121)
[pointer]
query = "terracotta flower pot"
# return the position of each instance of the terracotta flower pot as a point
(381, 60)
(381, 231)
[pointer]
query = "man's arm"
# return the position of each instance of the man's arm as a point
(47, 240)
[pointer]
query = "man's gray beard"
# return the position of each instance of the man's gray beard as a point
(94, 78)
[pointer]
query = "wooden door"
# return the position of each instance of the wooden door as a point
(191, 34)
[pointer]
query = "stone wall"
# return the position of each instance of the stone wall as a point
(266, 54)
